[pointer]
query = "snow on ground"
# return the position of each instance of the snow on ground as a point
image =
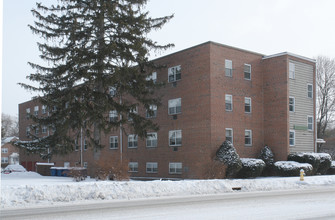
(29, 189)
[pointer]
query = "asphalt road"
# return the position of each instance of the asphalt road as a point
(315, 203)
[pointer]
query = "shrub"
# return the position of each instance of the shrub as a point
(215, 170)
(292, 168)
(78, 173)
(251, 168)
(228, 155)
(268, 157)
(325, 163)
(105, 170)
(311, 158)
(331, 170)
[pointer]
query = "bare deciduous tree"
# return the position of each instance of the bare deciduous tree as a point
(9, 126)
(325, 82)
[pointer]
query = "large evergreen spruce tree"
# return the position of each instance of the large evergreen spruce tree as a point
(92, 47)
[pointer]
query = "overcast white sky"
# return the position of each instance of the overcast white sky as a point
(304, 27)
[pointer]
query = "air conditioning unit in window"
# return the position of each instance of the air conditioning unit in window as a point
(174, 84)
(174, 117)
(175, 149)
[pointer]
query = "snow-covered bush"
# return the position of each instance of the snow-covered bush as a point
(325, 163)
(251, 168)
(268, 157)
(14, 168)
(331, 170)
(292, 168)
(311, 158)
(228, 155)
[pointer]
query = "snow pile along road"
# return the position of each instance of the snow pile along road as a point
(30, 189)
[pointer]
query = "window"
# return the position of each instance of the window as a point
(132, 141)
(152, 139)
(112, 91)
(291, 104)
(248, 137)
(247, 105)
(28, 131)
(175, 168)
(133, 167)
(152, 77)
(229, 103)
(28, 113)
(37, 130)
(4, 159)
(174, 106)
(113, 117)
(291, 71)
(76, 145)
(44, 129)
(132, 111)
(310, 91)
(113, 142)
(229, 68)
(175, 138)
(36, 110)
(292, 138)
(4, 150)
(247, 71)
(85, 144)
(44, 109)
(229, 135)
(151, 167)
(310, 123)
(174, 73)
(66, 164)
(67, 104)
(85, 164)
(153, 111)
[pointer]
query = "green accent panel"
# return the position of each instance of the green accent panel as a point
(300, 127)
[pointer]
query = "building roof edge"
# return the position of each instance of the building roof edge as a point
(289, 54)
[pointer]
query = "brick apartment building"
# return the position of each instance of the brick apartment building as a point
(214, 92)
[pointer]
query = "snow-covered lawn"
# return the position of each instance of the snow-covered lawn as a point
(29, 189)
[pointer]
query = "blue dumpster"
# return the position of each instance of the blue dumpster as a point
(53, 171)
(59, 171)
(65, 171)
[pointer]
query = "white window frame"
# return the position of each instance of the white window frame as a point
(4, 150)
(85, 164)
(246, 72)
(113, 142)
(293, 139)
(44, 129)
(247, 104)
(154, 109)
(250, 137)
(174, 106)
(175, 135)
(232, 135)
(175, 168)
(133, 167)
(228, 68)
(151, 167)
(37, 130)
(310, 124)
(229, 102)
(44, 109)
(132, 141)
(174, 73)
(113, 116)
(76, 145)
(291, 70)
(85, 145)
(112, 91)
(152, 139)
(28, 113)
(4, 160)
(309, 93)
(152, 77)
(289, 104)
(133, 111)
(36, 110)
